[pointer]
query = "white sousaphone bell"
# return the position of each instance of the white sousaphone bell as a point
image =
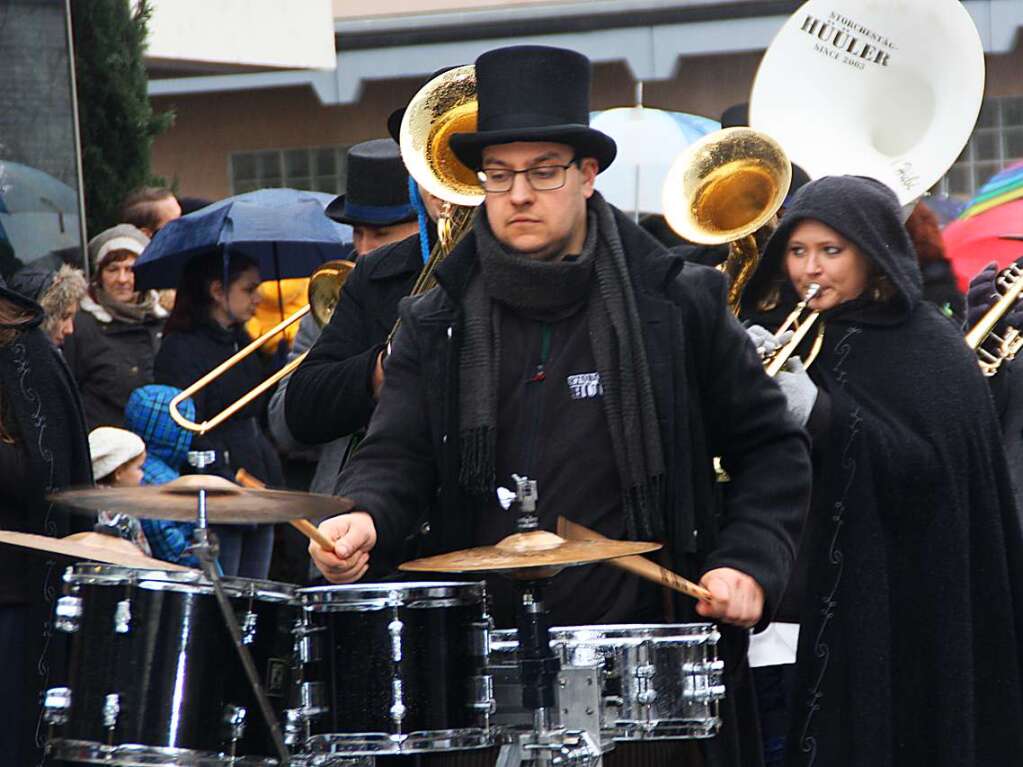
(889, 89)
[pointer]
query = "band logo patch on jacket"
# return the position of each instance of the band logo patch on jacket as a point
(585, 386)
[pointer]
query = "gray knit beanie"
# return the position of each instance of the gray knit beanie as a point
(116, 238)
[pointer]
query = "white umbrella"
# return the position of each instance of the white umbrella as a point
(648, 141)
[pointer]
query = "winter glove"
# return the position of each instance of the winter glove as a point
(765, 340)
(982, 294)
(800, 392)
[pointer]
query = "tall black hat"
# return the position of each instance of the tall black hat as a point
(394, 119)
(377, 192)
(533, 93)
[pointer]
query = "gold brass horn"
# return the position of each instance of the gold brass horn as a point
(444, 106)
(992, 348)
(724, 188)
(800, 321)
(325, 285)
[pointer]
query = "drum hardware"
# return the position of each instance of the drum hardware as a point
(325, 285)
(206, 550)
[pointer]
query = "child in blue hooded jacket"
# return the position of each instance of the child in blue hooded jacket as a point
(147, 414)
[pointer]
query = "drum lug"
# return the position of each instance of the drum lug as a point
(394, 628)
(295, 720)
(703, 681)
(646, 694)
(398, 709)
(68, 614)
(122, 616)
(481, 694)
(57, 705)
(111, 710)
(311, 700)
(234, 721)
(307, 648)
(248, 627)
(480, 637)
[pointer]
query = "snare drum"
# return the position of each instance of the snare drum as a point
(394, 668)
(155, 678)
(654, 682)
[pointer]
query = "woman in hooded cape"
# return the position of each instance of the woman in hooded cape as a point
(911, 559)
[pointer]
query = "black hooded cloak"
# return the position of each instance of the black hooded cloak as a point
(912, 617)
(50, 452)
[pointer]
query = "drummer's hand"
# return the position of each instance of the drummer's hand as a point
(354, 536)
(738, 599)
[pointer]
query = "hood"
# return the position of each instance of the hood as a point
(865, 212)
(148, 415)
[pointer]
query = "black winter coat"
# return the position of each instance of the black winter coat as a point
(239, 442)
(330, 395)
(109, 359)
(712, 397)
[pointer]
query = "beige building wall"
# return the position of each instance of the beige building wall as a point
(195, 152)
(351, 9)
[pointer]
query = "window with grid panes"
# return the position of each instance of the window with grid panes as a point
(996, 143)
(320, 169)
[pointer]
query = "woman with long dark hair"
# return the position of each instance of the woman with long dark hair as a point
(216, 296)
(911, 563)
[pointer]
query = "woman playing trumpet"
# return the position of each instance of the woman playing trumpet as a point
(911, 559)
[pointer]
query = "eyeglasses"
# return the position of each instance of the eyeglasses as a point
(542, 178)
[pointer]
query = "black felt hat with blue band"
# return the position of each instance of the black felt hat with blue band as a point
(377, 193)
(533, 93)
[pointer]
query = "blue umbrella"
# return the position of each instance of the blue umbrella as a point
(284, 230)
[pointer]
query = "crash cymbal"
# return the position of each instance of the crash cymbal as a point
(529, 555)
(92, 547)
(226, 502)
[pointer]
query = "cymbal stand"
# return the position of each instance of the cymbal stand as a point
(545, 745)
(206, 550)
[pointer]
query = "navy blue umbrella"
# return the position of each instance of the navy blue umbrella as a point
(284, 230)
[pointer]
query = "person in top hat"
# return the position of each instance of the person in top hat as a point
(565, 344)
(333, 393)
(376, 204)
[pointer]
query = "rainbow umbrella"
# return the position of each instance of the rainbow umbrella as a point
(990, 228)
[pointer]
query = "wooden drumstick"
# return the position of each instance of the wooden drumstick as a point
(636, 564)
(304, 526)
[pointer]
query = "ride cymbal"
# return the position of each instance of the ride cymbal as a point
(92, 547)
(226, 502)
(523, 553)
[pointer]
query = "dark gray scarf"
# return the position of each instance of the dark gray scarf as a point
(554, 290)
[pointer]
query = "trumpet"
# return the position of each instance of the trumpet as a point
(995, 348)
(722, 189)
(325, 285)
(800, 321)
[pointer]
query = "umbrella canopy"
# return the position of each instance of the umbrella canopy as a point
(990, 227)
(284, 230)
(38, 213)
(648, 140)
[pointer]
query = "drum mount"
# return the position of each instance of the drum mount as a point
(545, 745)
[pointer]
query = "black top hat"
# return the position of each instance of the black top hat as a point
(377, 192)
(533, 93)
(736, 116)
(394, 119)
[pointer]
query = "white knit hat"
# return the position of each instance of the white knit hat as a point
(111, 448)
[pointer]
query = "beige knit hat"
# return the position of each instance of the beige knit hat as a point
(111, 448)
